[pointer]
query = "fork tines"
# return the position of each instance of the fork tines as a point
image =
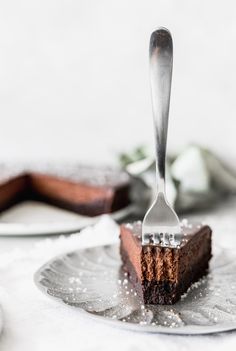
(162, 239)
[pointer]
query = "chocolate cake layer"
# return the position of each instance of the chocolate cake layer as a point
(87, 199)
(160, 274)
(84, 190)
(13, 191)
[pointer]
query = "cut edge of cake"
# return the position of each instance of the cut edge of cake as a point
(161, 274)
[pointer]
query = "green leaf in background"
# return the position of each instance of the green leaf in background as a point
(139, 153)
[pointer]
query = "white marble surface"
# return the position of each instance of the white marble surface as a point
(34, 322)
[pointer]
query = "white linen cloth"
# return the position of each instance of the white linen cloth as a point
(34, 322)
(196, 178)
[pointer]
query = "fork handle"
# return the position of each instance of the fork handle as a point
(161, 61)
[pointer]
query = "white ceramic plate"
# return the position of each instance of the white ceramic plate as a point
(34, 218)
(92, 281)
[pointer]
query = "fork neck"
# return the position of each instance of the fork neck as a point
(160, 181)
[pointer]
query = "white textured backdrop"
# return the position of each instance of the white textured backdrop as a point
(74, 76)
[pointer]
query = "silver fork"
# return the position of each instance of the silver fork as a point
(161, 224)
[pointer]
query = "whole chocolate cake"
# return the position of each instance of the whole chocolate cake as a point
(90, 191)
(161, 274)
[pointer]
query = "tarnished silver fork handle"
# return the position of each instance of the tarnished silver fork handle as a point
(161, 224)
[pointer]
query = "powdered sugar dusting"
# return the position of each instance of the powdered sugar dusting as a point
(98, 176)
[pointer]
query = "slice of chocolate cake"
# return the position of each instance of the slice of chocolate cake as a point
(160, 274)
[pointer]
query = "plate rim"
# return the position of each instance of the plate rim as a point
(182, 330)
(35, 229)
